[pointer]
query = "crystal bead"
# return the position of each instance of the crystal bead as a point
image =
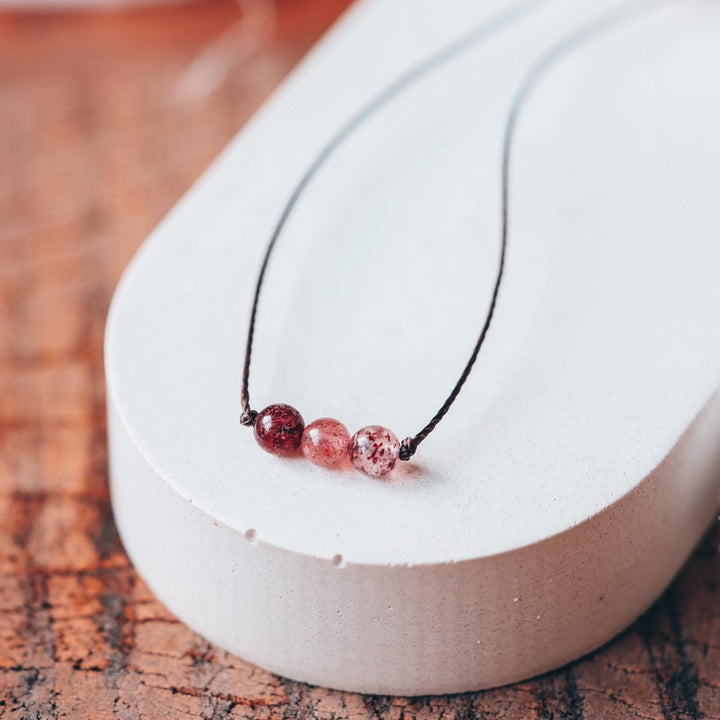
(325, 443)
(374, 450)
(279, 429)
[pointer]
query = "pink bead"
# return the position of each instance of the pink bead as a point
(325, 443)
(278, 429)
(374, 450)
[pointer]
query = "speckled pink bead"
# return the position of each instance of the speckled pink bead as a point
(374, 450)
(325, 443)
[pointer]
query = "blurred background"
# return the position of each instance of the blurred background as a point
(106, 119)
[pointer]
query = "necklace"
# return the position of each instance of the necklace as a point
(374, 450)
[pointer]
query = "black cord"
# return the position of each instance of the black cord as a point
(433, 62)
(556, 52)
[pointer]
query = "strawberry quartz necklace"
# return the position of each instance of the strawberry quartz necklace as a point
(374, 450)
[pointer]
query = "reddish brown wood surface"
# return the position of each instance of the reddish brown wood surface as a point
(103, 124)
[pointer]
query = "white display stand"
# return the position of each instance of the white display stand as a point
(578, 467)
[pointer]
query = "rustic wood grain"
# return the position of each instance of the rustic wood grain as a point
(103, 124)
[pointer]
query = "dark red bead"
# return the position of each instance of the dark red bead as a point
(279, 429)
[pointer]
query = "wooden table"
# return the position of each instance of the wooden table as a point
(104, 122)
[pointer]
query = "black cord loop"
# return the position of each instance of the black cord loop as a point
(248, 417)
(467, 41)
(587, 32)
(407, 448)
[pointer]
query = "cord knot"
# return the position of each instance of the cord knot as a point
(248, 417)
(407, 448)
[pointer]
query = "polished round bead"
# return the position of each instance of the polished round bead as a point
(278, 429)
(374, 450)
(325, 443)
